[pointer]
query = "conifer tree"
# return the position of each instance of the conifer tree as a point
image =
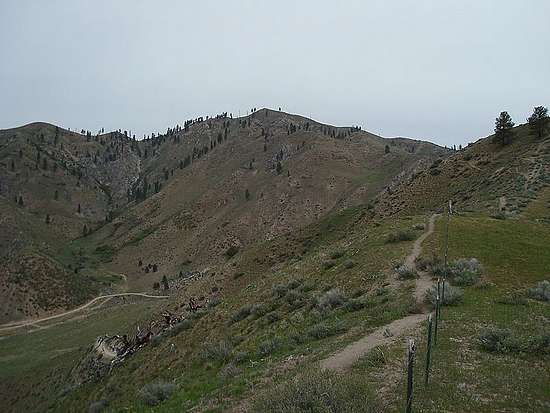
(503, 129)
(539, 121)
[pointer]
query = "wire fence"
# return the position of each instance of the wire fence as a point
(433, 325)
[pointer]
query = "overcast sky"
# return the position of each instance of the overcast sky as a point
(438, 70)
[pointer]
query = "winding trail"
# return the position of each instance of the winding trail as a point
(350, 354)
(26, 323)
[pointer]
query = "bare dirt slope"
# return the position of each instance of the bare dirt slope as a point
(75, 204)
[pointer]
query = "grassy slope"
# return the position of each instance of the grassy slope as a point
(34, 366)
(198, 380)
(465, 378)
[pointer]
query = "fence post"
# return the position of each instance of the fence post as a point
(429, 350)
(437, 304)
(449, 213)
(410, 370)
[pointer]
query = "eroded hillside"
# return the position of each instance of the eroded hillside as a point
(81, 208)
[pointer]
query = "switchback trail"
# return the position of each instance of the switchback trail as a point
(345, 358)
(25, 323)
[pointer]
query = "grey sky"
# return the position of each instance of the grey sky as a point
(439, 70)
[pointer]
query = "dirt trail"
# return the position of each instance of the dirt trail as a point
(25, 323)
(345, 358)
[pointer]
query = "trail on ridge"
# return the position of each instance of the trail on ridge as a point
(345, 358)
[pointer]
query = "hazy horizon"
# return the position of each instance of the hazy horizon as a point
(434, 70)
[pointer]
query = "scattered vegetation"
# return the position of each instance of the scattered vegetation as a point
(406, 273)
(231, 251)
(331, 299)
(98, 406)
(179, 327)
(156, 392)
(399, 236)
(453, 295)
(217, 351)
(541, 292)
(242, 313)
(269, 346)
(317, 392)
(498, 340)
(513, 298)
(323, 330)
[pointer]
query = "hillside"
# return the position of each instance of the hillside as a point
(298, 299)
(485, 176)
(81, 208)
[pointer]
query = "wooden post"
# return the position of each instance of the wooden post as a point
(410, 370)
(428, 350)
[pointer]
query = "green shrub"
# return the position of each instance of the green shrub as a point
(539, 344)
(333, 298)
(272, 317)
(406, 273)
(453, 295)
(153, 393)
(349, 264)
(279, 290)
(269, 346)
(98, 406)
(231, 251)
(337, 254)
(229, 371)
(355, 304)
(217, 351)
(541, 292)
(198, 314)
(258, 310)
(513, 298)
(179, 327)
(375, 358)
(241, 356)
(498, 215)
(498, 340)
(328, 264)
(317, 392)
(158, 339)
(400, 236)
(323, 330)
(295, 299)
(214, 302)
(292, 284)
(241, 313)
(465, 271)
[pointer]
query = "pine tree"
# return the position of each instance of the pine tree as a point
(279, 168)
(56, 195)
(20, 201)
(387, 149)
(538, 121)
(247, 194)
(78, 209)
(12, 165)
(47, 218)
(165, 284)
(503, 129)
